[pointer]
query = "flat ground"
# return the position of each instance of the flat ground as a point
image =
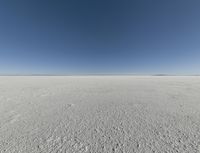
(100, 114)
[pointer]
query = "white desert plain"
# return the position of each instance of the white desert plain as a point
(99, 114)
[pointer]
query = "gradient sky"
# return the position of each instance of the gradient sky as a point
(99, 36)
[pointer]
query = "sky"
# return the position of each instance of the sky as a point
(99, 36)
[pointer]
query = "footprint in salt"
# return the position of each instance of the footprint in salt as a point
(45, 94)
(69, 105)
(13, 117)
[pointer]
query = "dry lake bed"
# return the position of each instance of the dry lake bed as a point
(99, 114)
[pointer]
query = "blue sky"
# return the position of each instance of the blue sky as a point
(99, 36)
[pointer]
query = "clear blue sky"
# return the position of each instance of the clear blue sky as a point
(99, 36)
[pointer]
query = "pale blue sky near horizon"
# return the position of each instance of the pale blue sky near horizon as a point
(100, 36)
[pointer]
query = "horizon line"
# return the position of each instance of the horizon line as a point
(100, 74)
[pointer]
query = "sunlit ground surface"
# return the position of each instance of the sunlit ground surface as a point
(98, 114)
